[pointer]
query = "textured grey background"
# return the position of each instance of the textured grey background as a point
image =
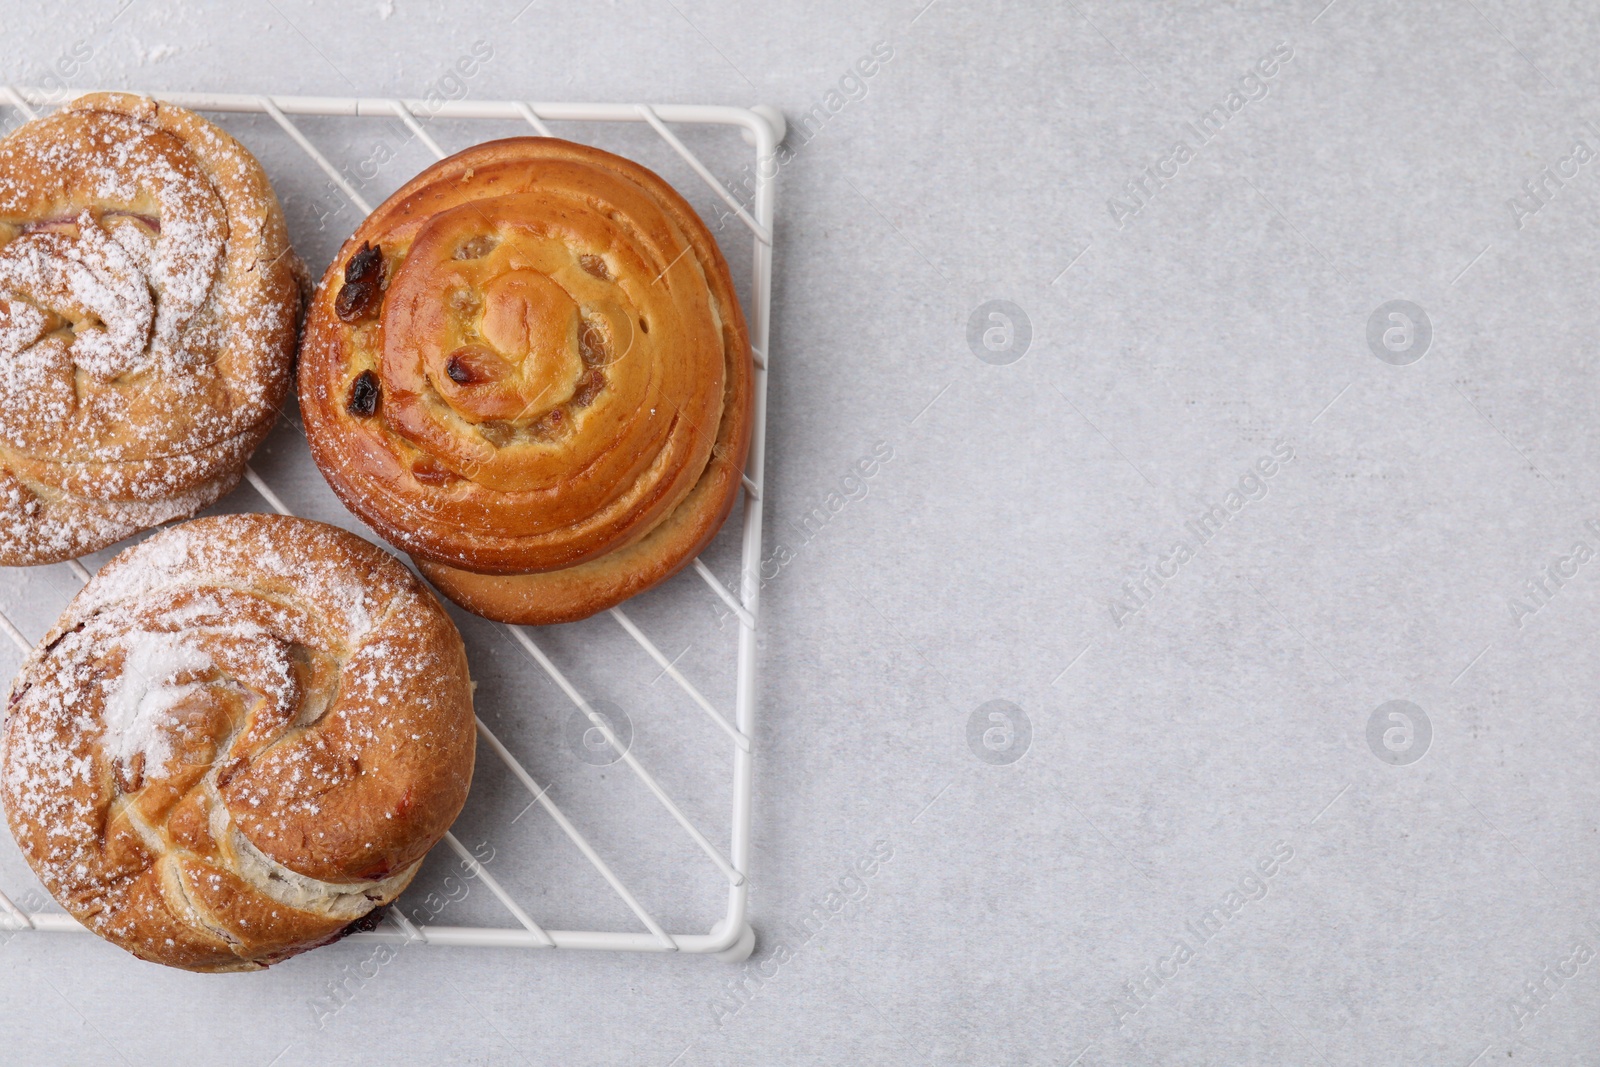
(1428, 912)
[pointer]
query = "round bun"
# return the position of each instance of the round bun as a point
(242, 736)
(528, 368)
(148, 298)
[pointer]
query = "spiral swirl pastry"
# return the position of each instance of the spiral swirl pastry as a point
(528, 368)
(148, 298)
(242, 736)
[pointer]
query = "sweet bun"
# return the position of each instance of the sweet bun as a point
(242, 736)
(148, 305)
(528, 368)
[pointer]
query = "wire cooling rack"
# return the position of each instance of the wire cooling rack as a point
(731, 938)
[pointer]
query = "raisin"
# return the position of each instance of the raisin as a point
(547, 424)
(367, 923)
(364, 395)
(473, 365)
(592, 344)
(357, 300)
(365, 265)
(498, 432)
(430, 472)
(476, 247)
(596, 266)
(589, 387)
(363, 284)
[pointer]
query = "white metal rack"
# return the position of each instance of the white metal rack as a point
(731, 938)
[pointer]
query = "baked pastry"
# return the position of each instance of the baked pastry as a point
(528, 368)
(148, 299)
(242, 736)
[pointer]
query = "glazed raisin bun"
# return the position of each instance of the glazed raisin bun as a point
(148, 299)
(528, 368)
(242, 737)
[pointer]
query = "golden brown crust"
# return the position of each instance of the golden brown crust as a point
(574, 593)
(148, 300)
(543, 394)
(242, 735)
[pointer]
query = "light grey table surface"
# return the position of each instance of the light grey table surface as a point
(1080, 881)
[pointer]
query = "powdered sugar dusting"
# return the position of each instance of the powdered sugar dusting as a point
(253, 696)
(138, 716)
(147, 306)
(88, 276)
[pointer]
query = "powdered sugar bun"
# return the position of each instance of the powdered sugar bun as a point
(148, 305)
(241, 737)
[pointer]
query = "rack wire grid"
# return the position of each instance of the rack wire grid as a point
(731, 938)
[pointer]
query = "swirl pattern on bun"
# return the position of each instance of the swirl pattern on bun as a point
(148, 298)
(242, 736)
(529, 369)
